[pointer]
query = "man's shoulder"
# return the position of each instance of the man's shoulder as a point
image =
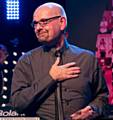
(32, 52)
(79, 50)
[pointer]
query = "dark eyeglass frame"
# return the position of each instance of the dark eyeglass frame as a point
(43, 22)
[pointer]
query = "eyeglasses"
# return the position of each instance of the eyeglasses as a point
(43, 22)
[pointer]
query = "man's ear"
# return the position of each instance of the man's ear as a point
(63, 23)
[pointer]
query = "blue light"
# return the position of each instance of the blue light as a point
(12, 9)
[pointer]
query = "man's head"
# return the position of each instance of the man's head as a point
(49, 22)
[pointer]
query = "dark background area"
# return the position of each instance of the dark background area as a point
(84, 18)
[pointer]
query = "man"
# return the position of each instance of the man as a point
(3, 56)
(57, 64)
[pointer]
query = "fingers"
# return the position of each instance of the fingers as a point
(83, 114)
(63, 72)
(71, 76)
(69, 64)
(73, 70)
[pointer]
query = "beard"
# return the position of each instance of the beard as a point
(50, 44)
(43, 38)
(46, 41)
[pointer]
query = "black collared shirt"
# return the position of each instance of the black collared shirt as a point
(33, 88)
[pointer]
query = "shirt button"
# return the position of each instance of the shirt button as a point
(65, 89)
(67, 102)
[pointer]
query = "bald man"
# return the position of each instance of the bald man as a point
(38, 73)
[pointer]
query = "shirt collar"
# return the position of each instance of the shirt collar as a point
(53, 50)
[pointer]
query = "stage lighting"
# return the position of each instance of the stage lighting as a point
(3, 105)
(14, 62)
(4, 96)
(5, 79)
(12, 9)
(6, 62)
(4, 88)
(23, 53)
(5, 71)
(15, 53)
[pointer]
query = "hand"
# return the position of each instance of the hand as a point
(63, 72)
(86, 113)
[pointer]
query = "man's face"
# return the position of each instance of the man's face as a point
(47, 25)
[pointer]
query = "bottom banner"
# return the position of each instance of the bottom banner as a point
(19, 118)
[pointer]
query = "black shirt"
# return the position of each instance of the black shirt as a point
(33, 88)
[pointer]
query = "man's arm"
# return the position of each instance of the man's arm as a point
(97, 107)
(25, 89)
(100, 90)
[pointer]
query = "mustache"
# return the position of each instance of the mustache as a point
(40, 31)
